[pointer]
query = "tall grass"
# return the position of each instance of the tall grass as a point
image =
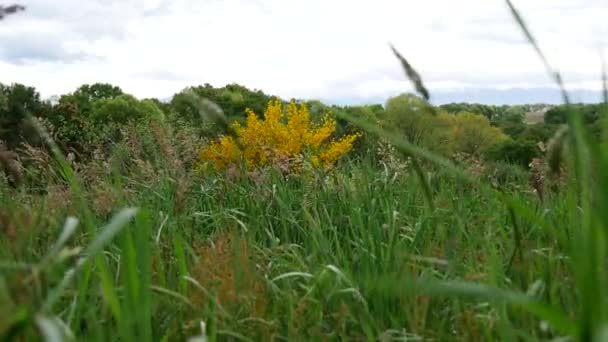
(360, 253)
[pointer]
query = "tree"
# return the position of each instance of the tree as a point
(86, 94)
(512, 128)
(473, 134)
(489, 112)
(410, 115)
(560, 114)
(233, 99)
(124, 108)
(16, 103)
(519, 152)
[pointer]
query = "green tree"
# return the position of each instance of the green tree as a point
(233, 99)
(590, 112)
(473, 134)
(519, 152)
(410, 115)
(86, 94)
(124, 108)
(17, 101)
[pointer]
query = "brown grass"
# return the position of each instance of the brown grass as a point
(227, 268)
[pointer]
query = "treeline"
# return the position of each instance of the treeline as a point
(95, 115)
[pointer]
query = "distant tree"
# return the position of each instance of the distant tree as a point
(16, 103)
(124, 108)
(94, 113)
(86, 94)
(560, 114)
(98, 91)
(519, 152)
(489, 112)
(511, 123)
(473, 134)
(233, 99)
(410, 115)
(367, 143)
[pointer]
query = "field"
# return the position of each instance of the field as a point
(157, 250)
(246, 217)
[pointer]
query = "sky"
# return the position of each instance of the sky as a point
(336, 51)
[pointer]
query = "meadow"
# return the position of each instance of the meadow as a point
(135, 220)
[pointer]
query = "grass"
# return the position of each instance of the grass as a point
(153, 251)
(356, 254)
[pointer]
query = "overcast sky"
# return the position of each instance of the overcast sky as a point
(336, 51)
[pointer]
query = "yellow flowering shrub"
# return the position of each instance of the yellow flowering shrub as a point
(281, 138)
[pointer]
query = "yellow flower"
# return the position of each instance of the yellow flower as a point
(335, 151)
(278, 139)
(222, 153)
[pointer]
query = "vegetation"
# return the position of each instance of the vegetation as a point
(277, 143)
(128, 219)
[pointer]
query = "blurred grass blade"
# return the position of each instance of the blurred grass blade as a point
(52, 329)
(556, 318)
(550, 70)
(68, 230)
(208, 110)
(474, 291)
(412, 75)
(172, 294)
(293, 275)
(117, 223)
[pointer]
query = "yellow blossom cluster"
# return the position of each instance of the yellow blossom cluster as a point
(281, 138)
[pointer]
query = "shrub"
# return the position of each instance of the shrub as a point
(278, 140)
(124, 108)
(519, 152)
(16, 103)
(473, 134)
(410, 115)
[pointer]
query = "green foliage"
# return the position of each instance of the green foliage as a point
(409, 115)
(511, 124)
(442, 132)
(356, 254)
(495, 114)
(97, 91)
(520, 152)
(473, 134)
(93, 115)
(234, 99)
(124, 108)
(506, 174)
(589, 112)
(16, 103)
(488, 111)
(366, 144)
(538, 132)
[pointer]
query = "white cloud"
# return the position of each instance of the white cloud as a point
(333, 50)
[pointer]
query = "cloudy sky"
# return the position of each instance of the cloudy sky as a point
(333, 50)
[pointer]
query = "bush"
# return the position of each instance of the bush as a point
(473, 134)
(520, 152)
(124, 108)
(16, 103)
(278, 140)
